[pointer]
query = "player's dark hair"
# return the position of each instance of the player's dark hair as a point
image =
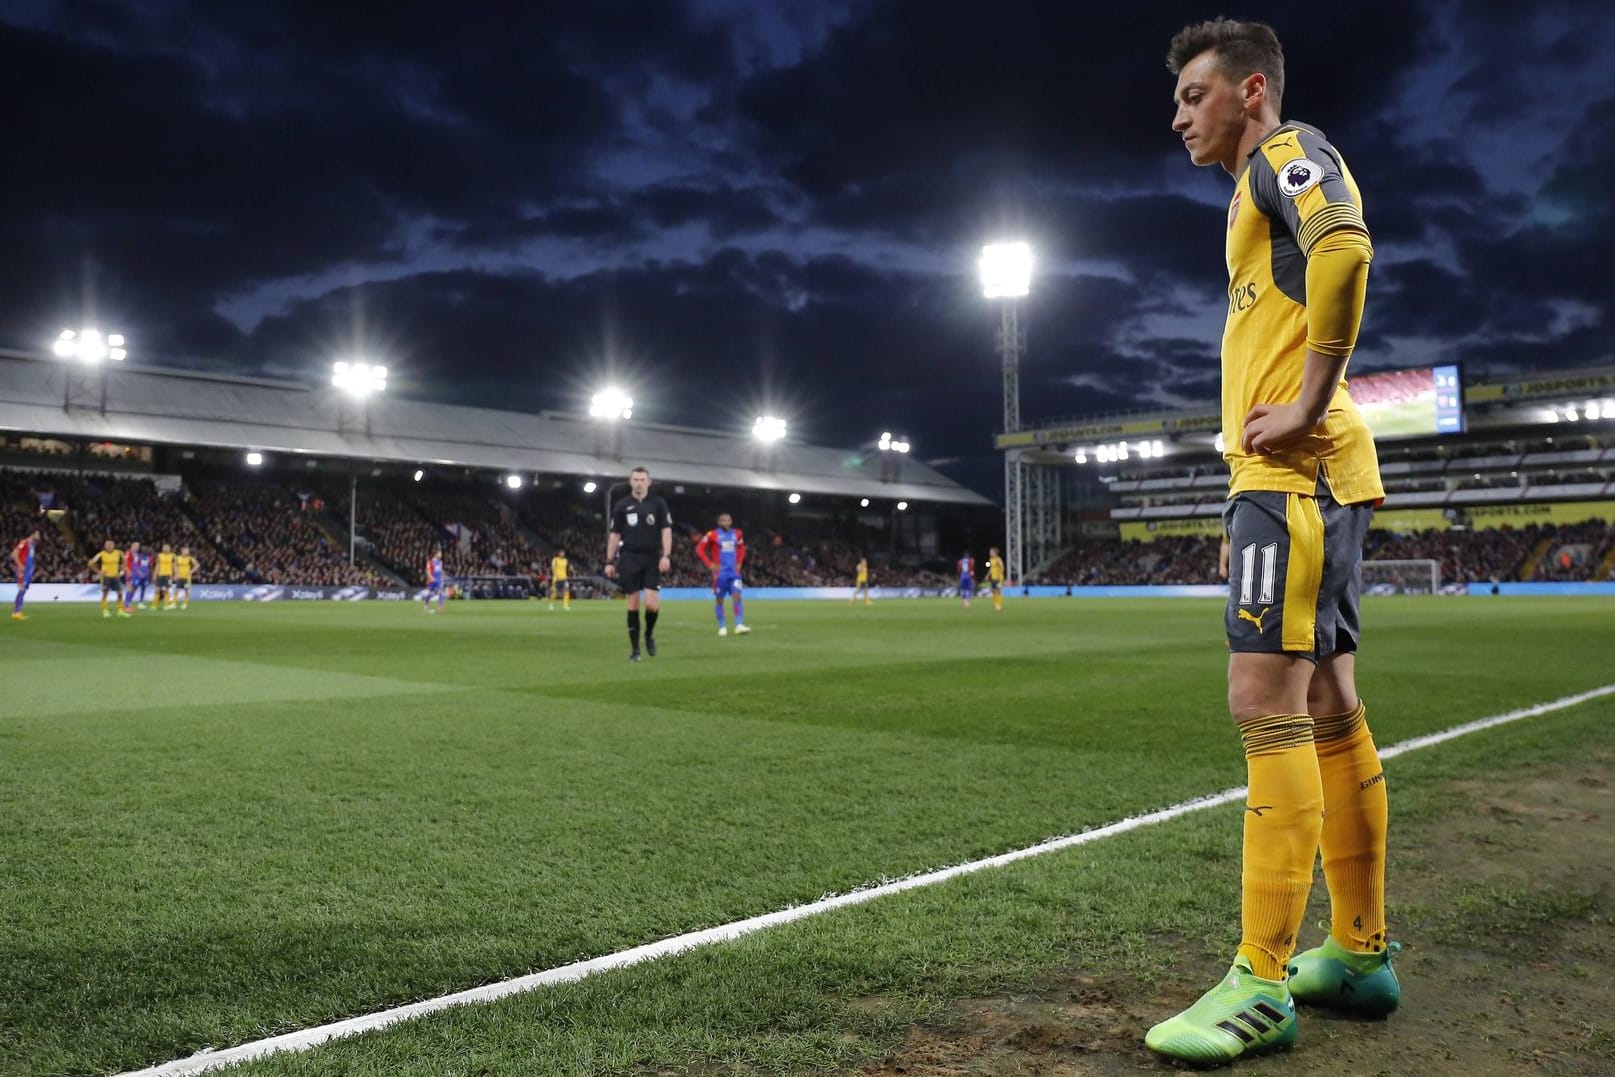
(638, 470)
(1241, 48)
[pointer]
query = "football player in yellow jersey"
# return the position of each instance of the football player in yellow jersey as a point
(861, 583)
(559, 581)
(1305, 480)
(165, 577)
(185, 566)
(109, 565)
(995, 576)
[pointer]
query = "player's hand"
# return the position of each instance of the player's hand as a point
(611, 571)
(1271, 428)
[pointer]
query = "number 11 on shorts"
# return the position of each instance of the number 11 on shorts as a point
(1247, 567)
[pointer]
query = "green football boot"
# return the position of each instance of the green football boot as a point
(1243, 1015)
(1346, 980)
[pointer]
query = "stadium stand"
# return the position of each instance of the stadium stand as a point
(23, 495)
(288, 521)
(267, 534)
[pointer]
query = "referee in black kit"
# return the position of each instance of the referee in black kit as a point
(642, 532)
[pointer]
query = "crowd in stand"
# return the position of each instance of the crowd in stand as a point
(97, 508)
(399, 538)
(264, 532)
(1463, 556)
(270, 536)
(1168, 559)
(1577, 553)
(22, 499)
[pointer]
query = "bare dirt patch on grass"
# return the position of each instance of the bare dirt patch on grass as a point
(1505, 901)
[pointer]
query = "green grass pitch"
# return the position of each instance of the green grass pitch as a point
(239, 820)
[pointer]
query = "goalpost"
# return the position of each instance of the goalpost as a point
(1416, 577)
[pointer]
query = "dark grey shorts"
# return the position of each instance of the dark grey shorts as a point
(1295, 572)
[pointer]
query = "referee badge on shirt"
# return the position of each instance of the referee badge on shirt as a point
(650, 519)
(633, 519)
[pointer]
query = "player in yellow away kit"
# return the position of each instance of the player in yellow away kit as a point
(995, 576)
(185, 568)
(861, 582)
(1304, 482)
(165, 577)
(559, 581)
(108, 563)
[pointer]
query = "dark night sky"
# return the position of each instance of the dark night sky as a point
(732, 206)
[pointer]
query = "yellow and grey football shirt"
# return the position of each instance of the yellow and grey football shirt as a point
(1294, 190)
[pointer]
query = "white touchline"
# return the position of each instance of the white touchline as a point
(301, 1041)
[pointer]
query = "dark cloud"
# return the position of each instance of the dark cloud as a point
(777, 204)
(721, 212)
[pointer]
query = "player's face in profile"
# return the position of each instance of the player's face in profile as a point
(1210, 114)
(639, 483)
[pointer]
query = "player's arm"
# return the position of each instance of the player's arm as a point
(705, 552)
(740, 549)
(1337, 283)
(1328, 226)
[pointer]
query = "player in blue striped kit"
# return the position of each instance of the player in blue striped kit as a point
(434, 581)
(22, 560)
(723, 550)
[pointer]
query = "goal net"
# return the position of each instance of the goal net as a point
(1421, 577)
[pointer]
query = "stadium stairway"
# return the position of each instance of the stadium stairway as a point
(1037, 570)
(534, 539)
(336, 533)
(206, 538)
(1606, 567)
(64, 528)
(1528, 567)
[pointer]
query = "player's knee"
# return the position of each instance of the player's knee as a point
(1268, 684)
(1249, 701)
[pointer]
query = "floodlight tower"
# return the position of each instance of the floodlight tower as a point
(612, 407)
(87, 351)
(1006, 274)
(767, 431)
(891, 447)
(356, 382)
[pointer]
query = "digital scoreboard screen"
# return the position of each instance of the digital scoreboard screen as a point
(1411, 403)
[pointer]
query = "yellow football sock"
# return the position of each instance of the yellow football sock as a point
(1355, 818)
(103, 603)
(998, 602)
(1283, 817)
(566, 602)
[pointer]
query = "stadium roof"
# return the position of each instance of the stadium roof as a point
(182, 408)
